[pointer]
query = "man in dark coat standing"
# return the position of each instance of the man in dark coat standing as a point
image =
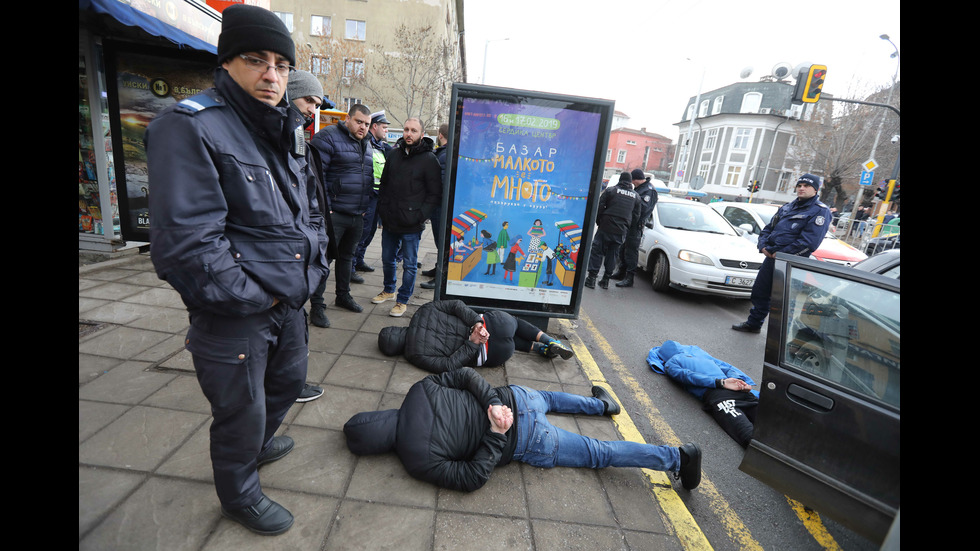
(619, 210)
(629, 252)
(410, 191)
(236, 230)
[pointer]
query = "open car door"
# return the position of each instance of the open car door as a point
(827, 429)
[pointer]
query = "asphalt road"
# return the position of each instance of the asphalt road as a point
(735, 511)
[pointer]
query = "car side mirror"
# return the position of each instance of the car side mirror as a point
(747, 228)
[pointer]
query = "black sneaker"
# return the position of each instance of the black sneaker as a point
(431, 284)
(318, 317)
(556, 348)
(265, 517)
(309, 393)
(362, 267)
(612, 406)
(347, 301)
(429, 273)
(356, 278)
(690, 473)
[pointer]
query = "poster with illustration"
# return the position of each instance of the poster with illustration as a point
(523, 180)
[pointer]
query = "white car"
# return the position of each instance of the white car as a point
(753, 217)
(690, 246)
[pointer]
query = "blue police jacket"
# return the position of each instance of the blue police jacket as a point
(233, 223)
(797, 228)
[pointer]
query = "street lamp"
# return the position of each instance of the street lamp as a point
(483, 79)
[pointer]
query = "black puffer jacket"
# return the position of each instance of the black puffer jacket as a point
(348, 168)
(438, 336)
(411, 187)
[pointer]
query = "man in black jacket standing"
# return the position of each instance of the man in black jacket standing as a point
(619, 210)
(237, 231)
(453, 429)
(410, 192)
(629, 252)
(348, 178)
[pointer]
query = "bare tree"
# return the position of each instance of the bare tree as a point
(412, 74)
(339, 64)
(837, 148)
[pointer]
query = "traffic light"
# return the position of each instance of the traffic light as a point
(882, 192)
(756, 186)
(808, 88)
(896, 190)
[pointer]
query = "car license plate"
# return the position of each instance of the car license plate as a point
(739, 281)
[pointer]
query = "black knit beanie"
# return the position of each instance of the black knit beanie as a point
(247, 28)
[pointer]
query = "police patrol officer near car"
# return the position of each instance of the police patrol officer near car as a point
(797, 228)
(618, 212)
(236, 230)
(629, 251)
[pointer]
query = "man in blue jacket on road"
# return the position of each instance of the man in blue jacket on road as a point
(797, 228)
(236, 230)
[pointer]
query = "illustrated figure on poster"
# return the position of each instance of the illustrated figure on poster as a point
(490, 246)
(460, 249)
(549, 258)
(503, 239)
(510, 265)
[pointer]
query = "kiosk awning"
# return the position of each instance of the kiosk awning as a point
(132, 17)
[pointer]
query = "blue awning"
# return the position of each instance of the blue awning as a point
(132, 17)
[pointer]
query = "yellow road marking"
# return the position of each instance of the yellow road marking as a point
(688, 531)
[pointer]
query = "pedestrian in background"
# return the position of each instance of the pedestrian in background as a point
(378, 133)
(410, 190)
(347, 162)
(442, 138)
(237, 232)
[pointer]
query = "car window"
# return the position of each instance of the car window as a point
(692, 217)
(738, 217)
(846, 333)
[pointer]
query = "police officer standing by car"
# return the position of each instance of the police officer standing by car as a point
(236, 230)
(797, 228)
(630, 249)
(619, 210)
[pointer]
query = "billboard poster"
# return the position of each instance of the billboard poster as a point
(519, 207)
(146, 80)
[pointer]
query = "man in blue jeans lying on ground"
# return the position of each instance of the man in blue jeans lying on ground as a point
(453, 429)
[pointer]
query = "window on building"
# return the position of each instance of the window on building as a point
(353, 67)
(703, 111)
(751, 102)
(356, 30)
(731, 179)
(630, 142)
(320, 65)
(742, 138)
(703, 170)
(690, 112)
(286, 17)
(608, 155)
(320, 25)
(350, 102)
(709, 141)
(784, 181)
(621, 157)
(717, 106)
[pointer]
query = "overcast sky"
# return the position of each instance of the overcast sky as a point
(649, 55)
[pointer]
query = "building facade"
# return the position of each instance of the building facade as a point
(739, 134)
(337, 41)
(629, 148)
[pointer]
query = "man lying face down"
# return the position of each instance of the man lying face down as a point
(453, 429)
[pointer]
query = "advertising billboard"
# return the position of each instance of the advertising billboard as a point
(522, 182)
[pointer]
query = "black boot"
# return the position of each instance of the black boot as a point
(318, 316)
(604, 282)
(626, 282)
(690, 471)
(265, 517)
(590, 281)
(618, 274)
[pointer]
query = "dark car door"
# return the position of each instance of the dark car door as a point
(827, 429)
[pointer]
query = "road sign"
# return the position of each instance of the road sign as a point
(870, 165)
(867, 177)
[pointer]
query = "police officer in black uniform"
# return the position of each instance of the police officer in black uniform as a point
(619, 210)
(236, 230)
(797, 228)
(629, 251)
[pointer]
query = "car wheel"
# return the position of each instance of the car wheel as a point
(661, 272)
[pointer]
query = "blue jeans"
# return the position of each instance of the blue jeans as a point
(407, 246)
(541, 444)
